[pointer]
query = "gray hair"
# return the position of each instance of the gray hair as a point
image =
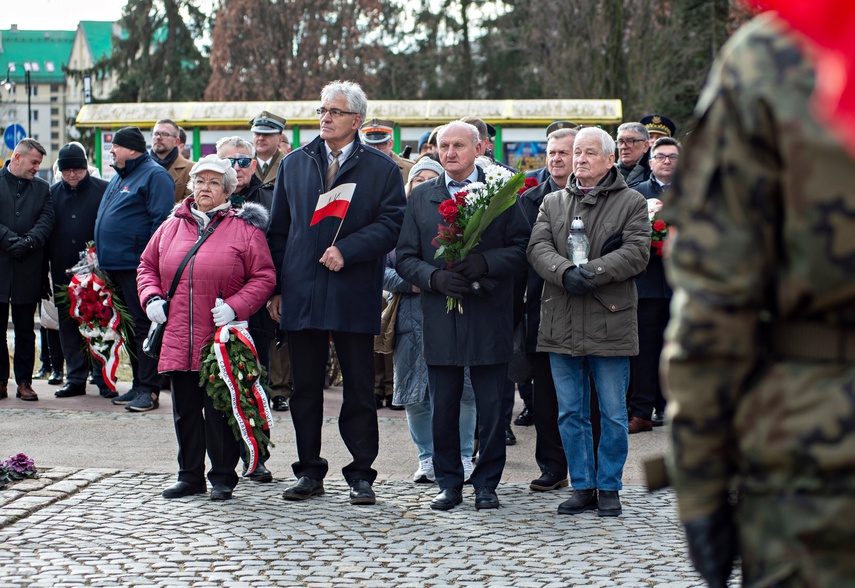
(459, 124)
(635, 127)
(27, 144)
(563, 133)
(352, 92)
(236, 142)
(606, 141)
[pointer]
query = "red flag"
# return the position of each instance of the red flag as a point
(333, 203)
(830, 25)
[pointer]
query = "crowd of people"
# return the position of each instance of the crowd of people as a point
(301, 283)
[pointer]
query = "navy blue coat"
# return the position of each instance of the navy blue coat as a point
(652, 283)
(75, 210)
(137, 200)
(25, 209)
(314, 297)
(483, 334)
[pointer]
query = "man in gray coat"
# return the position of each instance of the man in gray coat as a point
(26, 220)
(588, 322)
(481, 337)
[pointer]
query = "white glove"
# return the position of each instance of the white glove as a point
(223, 314)
(154, 311)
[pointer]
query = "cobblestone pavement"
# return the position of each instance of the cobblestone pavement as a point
(97, 527)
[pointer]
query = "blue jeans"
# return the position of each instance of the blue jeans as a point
(611, 378)
(419, 421)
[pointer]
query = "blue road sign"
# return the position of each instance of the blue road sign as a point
(13, 135)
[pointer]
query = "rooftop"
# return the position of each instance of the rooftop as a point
(42, 53)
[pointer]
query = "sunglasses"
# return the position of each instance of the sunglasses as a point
(243, 162)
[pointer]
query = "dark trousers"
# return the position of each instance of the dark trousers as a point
(200, 429)
(445, 384)
(23, 319)
(548, 450)
(645, 390)
(50, 354)
(77, 359)
(144, 368)
(357, 420)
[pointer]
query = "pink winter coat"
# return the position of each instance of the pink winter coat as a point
(233, 263)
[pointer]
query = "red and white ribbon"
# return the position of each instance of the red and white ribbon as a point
(104, 341)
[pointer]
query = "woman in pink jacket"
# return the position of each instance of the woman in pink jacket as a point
(233, 264)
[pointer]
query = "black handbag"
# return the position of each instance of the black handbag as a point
(153, 341)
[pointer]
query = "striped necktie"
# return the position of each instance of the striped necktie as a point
(332, 170)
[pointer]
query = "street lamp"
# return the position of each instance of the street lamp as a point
(10, 85)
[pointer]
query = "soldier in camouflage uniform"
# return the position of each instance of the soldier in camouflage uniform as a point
(760, 354)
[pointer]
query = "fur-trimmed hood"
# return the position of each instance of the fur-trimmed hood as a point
(251, 213)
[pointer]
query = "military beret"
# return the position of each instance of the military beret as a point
(267, 123)
(376, 131)
(560, 124)
(657, 123)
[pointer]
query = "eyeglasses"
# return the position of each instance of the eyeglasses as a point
(213, 184)
(628, 142)
(162, 135)
(76, 171)
(335, 112)
(242, 162)
(660, 157)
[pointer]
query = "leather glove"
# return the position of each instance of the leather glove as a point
(576, 281)
(9, 241)
(472, 267)
(613, 243)
(20, 248)
(713, 545)
(450, 283)
(223, 314)
(155, 310)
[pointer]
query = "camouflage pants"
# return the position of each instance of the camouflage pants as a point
(803, 540)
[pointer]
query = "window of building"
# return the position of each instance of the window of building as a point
(35, 115)
(54, 111)
(54, 135)
(54, 147)
(49, 67)
(35, 89)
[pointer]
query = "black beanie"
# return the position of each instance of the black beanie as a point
(71, 157)
(130, 137)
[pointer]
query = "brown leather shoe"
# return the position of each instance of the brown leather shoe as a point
(26, 392)
(639, 425)
(4, 393)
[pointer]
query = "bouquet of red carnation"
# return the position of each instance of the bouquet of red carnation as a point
(233, 378)
(103, 320)
(469, 213)
(528, 185)
(659, 228)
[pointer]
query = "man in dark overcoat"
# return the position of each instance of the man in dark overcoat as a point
(26, 220)
(76, 198)
(330, 283)
(481, 337)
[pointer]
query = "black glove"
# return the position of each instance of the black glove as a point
(20, 248)
(449, 283)
(472, 267)
(613, 243)
(576, 281)
(713, 545)
(9, 241)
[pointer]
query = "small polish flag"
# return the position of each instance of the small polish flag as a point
(333, 203)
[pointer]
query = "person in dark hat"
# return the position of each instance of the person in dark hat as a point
(267, 128)
(542, 174)
(76, 199)
(659, 126)
(425, 145)
(378, 134)
(138, 198)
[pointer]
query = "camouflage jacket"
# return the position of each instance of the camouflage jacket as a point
(765, 211)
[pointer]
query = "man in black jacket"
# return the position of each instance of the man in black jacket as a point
(26, 220)
(76, 199)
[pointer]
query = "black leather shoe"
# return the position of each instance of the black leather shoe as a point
(510, 438)
(548, 481)
(580, 501)
(361, 493)
(447, 499)
(55, 378)
(658, 418)
(304, 489)
(70, 390)
(261, 474)
(105, 392)
(609, 503)
(42, 373)
(220, 492)
(525, 418)
(486, 498)
(378, 401)
(279, 403)
(182, 489)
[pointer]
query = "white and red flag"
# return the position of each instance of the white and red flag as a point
(333, 203)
